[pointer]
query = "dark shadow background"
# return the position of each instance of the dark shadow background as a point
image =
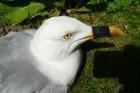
(124, 65)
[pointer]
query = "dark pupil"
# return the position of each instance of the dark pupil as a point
(67, 35)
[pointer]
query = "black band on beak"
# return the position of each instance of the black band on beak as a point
(101, 31)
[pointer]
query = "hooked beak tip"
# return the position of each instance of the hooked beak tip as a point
(115, 31)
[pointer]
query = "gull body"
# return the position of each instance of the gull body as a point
(45, 60)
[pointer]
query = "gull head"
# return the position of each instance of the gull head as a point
(60, 36)
(56, 47)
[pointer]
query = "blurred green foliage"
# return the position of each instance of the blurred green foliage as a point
(134, 23)
(21, 13)
(119, 4)
(16, 11)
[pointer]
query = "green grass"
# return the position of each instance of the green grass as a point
(108, 68)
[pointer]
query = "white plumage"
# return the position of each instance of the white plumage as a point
(57, 57)
(43, 61)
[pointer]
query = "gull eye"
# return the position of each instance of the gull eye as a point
(67, 36)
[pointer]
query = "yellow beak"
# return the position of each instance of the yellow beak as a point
(90, 36)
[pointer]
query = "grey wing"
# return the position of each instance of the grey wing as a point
(18, 73)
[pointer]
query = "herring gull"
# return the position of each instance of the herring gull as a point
(44, 60)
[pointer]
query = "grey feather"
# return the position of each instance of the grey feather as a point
(18, 73)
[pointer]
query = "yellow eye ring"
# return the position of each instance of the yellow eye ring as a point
(67, 36)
